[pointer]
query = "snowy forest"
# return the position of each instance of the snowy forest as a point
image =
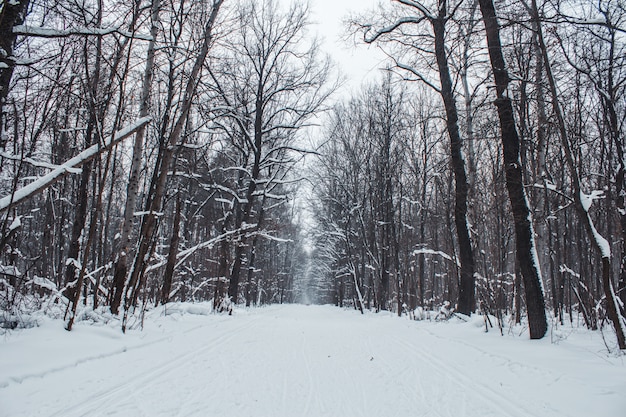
(170, 150)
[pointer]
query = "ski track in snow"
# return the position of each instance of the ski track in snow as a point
(43, 373)
(505, 407)
(317, 361)
(142, 381)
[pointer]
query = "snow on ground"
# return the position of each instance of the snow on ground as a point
(295, 360)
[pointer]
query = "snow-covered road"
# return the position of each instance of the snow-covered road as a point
(305, 361)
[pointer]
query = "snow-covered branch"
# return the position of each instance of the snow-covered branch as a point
(39, 164)
(419, 6)
(426, 251)
(183, 255)
(60, 171)
(388, 29)
(268, 236)
(415, 72)
(24, 30)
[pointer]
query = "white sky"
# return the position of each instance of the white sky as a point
(356, 62)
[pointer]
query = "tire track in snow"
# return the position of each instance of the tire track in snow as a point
(145, 379)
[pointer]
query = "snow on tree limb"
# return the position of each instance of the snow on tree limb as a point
(427, 251)
(268, 236)
(38, 32)
(36, 163)
(603, 244)
(47, 180)
(182, 256)
(400, 22)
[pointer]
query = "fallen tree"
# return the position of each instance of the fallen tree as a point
(69, 166)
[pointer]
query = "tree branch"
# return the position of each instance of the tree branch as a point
(70, 166)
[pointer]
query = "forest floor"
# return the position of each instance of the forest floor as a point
(295, 360)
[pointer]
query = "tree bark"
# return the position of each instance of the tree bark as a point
(253, 257)
(171, 256)
(599, 243)
(525, 242)
(466, 300)
(121, 264)
(12, 14)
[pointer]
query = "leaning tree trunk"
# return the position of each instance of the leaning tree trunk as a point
(466, 303)
(610, 103)
(149, 225)
(525, 242)
(83, 188)
(121, 263)
(173, 251)
(599, 243)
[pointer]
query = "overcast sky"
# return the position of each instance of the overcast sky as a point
(357, 63)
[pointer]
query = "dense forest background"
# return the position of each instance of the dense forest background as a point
(164, 150)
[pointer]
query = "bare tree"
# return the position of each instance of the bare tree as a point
(12, 14)
(438, 21)
(525, 241)
(274, 82)
(581, 199)
(134, 280)
(121, 268)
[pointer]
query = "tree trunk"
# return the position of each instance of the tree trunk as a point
(466, 300)
(525, 242)
(121, 264)
(235, 273)
(599, 243)
(95, 213)
(13, 13)
(610, 103)
(83, 188)
(171, 256)
(253, 257)
(149, 225)
(233, 287)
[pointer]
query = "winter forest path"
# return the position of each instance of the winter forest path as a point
(322, 361)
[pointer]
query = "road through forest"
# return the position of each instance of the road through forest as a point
(296, 360)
